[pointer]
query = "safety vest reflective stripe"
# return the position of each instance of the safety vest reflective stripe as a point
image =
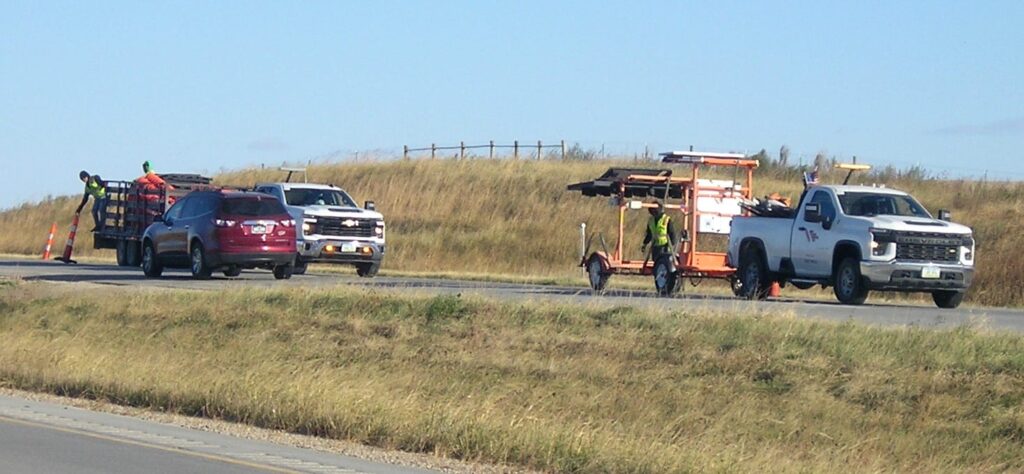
(94, 189)
(659, 230)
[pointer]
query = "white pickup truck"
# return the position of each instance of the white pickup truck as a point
(334, 228)
(855, 239)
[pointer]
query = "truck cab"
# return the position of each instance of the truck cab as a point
(855, 239)
(332, 227)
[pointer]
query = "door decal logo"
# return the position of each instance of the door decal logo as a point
(811, 235)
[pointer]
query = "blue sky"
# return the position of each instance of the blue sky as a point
(199, 86)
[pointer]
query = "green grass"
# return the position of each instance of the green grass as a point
(556, 388)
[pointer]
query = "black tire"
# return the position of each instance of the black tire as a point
(283, 272)
(596, 274)
(232, 272)
(367, 270)
(200, 268)
(151, 265)
(300, 267)
(752, 274)
(133, 253)
(848, 284)
(947, 298)
(666, 280)
(121, 250)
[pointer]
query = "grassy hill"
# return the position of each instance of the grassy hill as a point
(516, 218)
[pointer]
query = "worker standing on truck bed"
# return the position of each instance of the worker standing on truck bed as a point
(660, 232)
(97, 188)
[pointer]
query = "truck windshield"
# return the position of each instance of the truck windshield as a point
(252, 207)
(318, 197)
(872, 204)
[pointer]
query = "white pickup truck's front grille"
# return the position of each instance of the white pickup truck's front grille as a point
(344, 227)
(928, 246)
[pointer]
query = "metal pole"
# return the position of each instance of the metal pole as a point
(563, 150)
(583, 241)
(515, 149)
(405, 152)
(462, 150)
(492, 149)
(433, 151)
(539, 151)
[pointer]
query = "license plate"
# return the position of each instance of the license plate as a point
(931, 272)
(259, 229)
(348, 247)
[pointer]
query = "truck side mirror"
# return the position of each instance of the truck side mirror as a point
(812, 212)
(945, 215)
(370, 206)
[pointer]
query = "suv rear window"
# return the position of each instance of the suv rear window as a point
(252, 207)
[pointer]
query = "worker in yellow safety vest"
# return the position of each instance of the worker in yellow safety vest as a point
(660, 232)
(97, 188)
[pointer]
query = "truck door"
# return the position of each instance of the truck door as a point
(813, 239)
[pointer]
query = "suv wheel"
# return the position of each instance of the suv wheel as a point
(947, 298)
(151, 266)
(367, 270)
(753, 276)
(283, 272)
(849, 285)
(200, 269)
(232, 271)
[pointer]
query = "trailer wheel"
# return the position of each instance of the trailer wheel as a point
(200, 269)
(753, 276)
(367, 270)
(121, 250)
(597, 275)
(947, 298)
(151, 266)
(849, 285)
(133, 253)
(666, 280)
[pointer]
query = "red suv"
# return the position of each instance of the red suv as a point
(215, 230)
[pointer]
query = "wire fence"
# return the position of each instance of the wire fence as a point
(528, 150)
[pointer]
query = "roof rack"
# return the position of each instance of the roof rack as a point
(708, 158)
(291, 171)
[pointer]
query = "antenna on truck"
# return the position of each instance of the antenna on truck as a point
(292, 171)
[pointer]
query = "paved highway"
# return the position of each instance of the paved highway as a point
(45, 437)
(878, 314)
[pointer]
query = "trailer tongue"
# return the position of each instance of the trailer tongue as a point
(703, 206)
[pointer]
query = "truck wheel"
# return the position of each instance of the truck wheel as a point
(947, 298)
(666, 280)
(122, 253)
(232, 271)
(300, 267)
(133, 253)
(596, 274)
(367, 270)
(753, 276)
(283, 272)
(849, 285)
(200, 269)
(151, 266)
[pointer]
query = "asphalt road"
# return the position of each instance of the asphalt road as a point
(999, 319)
(44, 437)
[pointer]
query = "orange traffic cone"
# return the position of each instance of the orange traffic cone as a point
(775, 290)
(70, 245)
(49, 242)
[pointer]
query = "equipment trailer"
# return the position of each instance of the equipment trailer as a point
(706, 206)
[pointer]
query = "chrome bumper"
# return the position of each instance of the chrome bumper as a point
(315, 250)
(906, 276)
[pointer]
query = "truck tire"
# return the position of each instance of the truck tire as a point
(133, 253)
(666, 280)
(283, 272)
(151, 266)
(947, 298)
(752, 273)
(121, 250)
(200, 268)
(300, 267)
(367, 270)
(849, 285)
(596, 274)
(232, 272)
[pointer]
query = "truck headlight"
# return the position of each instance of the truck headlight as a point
(880, 241)
(379, 228)
(967, 242)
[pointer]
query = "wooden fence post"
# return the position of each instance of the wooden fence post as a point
(433, 151)
(515, 149)
(462, 150)
(540, 150)
(405, 152)
(563, 150)
(492, 149)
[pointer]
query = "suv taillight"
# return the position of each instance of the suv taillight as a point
(288, 222)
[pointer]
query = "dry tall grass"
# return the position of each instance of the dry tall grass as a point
(562, 389)
(515, 217)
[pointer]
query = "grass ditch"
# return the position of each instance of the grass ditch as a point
(556, 388)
